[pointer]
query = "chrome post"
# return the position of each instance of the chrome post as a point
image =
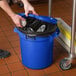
(49, 7)
(72, 49)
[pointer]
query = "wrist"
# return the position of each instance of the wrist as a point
(25, 1)
(12, 15)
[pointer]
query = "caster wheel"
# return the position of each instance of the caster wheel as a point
(64, 64)
(20, 4)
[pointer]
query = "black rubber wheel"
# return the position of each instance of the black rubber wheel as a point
(4, 54)
(20, 4)
(63, 63)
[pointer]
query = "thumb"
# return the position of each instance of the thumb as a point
(26, 13)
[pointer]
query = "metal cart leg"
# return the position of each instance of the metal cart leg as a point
(72, 50)
(49, 7)
(65, 64)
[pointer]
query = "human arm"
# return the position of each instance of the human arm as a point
(28, 8)
(16, 18)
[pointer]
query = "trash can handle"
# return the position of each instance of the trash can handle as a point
(30, 37)
(56, 33)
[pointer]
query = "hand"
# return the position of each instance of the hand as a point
(29, 8)
(16, 19)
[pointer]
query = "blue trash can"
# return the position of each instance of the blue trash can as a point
(37, 52)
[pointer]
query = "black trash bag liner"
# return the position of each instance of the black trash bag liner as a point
(33, 24)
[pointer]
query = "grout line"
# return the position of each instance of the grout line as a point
(12, 72)
(7, 18)
(60, 70)
(45, 73)
(26, 71)
(8, 63)
(7, 67)
(54, 73)
(17, 70)
(4, 73)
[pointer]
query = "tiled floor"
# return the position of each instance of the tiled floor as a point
(9, 40)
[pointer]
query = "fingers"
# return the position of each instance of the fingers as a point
(18, 21)
(32, 11)
(19, 26)
(21, 18)
(26, 13)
